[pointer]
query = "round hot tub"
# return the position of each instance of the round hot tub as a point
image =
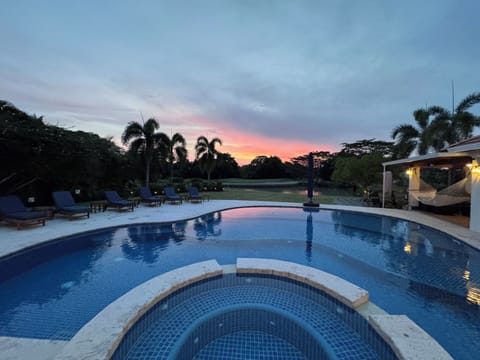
(251, 316)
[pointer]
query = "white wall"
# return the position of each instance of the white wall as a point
(475, 198)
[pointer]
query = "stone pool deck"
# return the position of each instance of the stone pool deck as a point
(12, 240)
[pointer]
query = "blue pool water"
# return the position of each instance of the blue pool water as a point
(52, 291)
(232, 316)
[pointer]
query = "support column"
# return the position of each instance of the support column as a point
(383, 187)
(413, 185)
(475, 197)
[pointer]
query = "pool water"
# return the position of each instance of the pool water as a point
(251, 317)
(52, 291)
(253, 345)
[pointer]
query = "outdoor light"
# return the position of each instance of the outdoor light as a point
(474, 167)
(31, 199)
(77, 191)
(409, 172)
(473, 295)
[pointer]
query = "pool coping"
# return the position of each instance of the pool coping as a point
(100, 337)
(338, 288)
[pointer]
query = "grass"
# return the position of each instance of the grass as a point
(256, 181)
(265, 195)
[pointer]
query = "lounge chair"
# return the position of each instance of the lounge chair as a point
(193, 195)
(147, 197)
(114, 200)
(12, 210)
(65, 205)
(171, 196)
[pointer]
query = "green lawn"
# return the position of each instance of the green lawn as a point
(256, 181)
(265, 195)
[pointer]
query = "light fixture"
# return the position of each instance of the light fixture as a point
(474, 167)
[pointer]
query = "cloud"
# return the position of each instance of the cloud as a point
(293, 75)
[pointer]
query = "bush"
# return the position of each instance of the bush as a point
(197, 182)
(212, 186)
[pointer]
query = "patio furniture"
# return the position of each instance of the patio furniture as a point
(98, 205)
(147, 197)
(65, 205)
(115, 201)
(194, 195)
(13, 211)
(171, 196)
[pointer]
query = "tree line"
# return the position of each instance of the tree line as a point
(38, 158)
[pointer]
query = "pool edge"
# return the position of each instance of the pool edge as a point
(101, 336)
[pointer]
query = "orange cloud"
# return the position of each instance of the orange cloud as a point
(243, 145)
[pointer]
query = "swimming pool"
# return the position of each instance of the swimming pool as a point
(407, 268)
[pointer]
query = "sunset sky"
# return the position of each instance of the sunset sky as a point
(267, 77)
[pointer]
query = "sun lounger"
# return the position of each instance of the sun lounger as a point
(171, 196)
(12, 210)
(193, 195)
(147, 197)
(114, 200)
(65, 205)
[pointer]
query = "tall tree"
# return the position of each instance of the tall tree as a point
(57, 158)
(226, 166)
(449, 127)
(266, 167)
(360, 171)
(207, 153)
(174, 149)
(143, 140)
(365, 147)
(408, 137)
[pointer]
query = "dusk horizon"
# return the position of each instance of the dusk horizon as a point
(268, 78)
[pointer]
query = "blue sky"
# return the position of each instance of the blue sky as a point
(267, 77)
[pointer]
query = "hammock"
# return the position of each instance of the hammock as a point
(456, 193)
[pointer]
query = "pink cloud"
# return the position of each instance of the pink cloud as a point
(243, 145)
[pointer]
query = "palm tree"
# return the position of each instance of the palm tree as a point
(453, 126)
(408, 137)
(143, 141)
(207, 154)
(173, 149)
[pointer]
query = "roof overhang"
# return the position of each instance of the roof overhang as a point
(443, 159)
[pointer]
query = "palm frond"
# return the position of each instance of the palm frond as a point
(464, 123)
(421, 117)
(150, 126)
(133, 130)
(404, 131)
(178, 138)
(137, 146)
(468, 102)
(438, 111)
